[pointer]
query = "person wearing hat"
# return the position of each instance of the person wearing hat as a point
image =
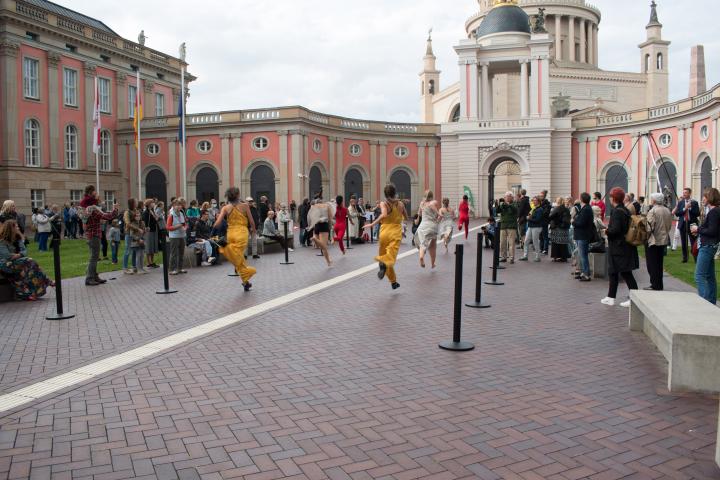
(659, 224)
(253, 235)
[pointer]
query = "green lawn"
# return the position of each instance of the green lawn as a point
(74, 256)
(684, 271)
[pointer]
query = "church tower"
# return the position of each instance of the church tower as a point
(429, 83)
(654, 61)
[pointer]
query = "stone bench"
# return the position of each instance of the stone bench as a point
(686, 329)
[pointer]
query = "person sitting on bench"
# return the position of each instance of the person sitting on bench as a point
(270, 230)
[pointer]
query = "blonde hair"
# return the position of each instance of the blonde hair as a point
(7, 205)
(429, 195)
(560, 201)
(7, 231)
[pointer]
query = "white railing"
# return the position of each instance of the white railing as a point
(613, 119)
(664, 110)
(702, 100)
(392, 127)
(261, 115)
(314, 117)
(568, 3)
(204, 119)
(493, 124)
(355, 124)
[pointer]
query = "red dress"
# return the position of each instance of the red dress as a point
(340, 226)
(464, 217)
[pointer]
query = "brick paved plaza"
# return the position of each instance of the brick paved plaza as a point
(348, 383)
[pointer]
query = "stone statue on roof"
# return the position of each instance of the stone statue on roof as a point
(142, 38)
(539, 26)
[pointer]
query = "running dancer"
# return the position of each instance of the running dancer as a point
(240, 224)
(447, 220)
(464, 219)
(319, 223)
(341, 219)
(392, 214)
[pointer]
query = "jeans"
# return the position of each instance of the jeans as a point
(138, 253)
(507, 243)
(533, 236)
(177, 253)
(94, 246)
(126, 255)
(583, 247)
(43, 241)
(206, 247)
(114, 246)
(705, 273)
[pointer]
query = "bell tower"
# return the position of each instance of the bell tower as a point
(654, 61)
(429, 83)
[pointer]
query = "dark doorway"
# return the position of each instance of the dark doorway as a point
(315, 181)
(401, 180)
(616, 177)
(353, 183)
(667, 174)
(706, 175)
(156, 185)
(262, 182)
(504, 176)
(207, 185)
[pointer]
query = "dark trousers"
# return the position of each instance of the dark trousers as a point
(615, 281)
(94, 247)
(684, 237)
(103, 244)
(177, 253)
(545, 238)
(278, 238)
(654, 256)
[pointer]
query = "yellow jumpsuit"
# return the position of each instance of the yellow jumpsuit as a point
(390, 238)
(237, 239)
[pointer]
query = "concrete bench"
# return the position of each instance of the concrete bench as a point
(598, 265)
(686, 329)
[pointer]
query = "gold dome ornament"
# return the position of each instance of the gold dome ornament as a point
(504, 3)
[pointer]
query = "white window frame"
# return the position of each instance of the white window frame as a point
(204, 151)
(104, 91)
(70, 87)
(617, 141)
(37, 198)
(31, 136)
(355, 149)
(153, 146)
(159, 105)
(31, 78)
(317, 145)
(665, 136)
(72, 150)
(105, 151)
(132, 97)
(704, 132)
(260, 144)
(76, 196)
(398, 151)
(109, 199)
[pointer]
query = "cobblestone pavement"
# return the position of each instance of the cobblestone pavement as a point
(349, 383)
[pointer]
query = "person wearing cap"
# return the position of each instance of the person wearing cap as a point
(659, 224)
(253, 235)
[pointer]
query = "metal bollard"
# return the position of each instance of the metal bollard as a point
(496, 259)
(59, 315)
(478, 277)
(457, 345)
(287, 257)
(166, 264)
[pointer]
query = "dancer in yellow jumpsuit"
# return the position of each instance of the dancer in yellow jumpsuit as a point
(240, 223)
(390, 220)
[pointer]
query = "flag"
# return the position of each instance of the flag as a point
(180, 114)
(138, 114)
(97, 126)
(468, 192)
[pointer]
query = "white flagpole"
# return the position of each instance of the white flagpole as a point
(138, 120)
(96, 109)
(183, 161)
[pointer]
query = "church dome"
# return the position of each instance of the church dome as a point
(504, 17)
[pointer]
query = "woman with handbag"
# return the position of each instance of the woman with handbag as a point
(560, 232)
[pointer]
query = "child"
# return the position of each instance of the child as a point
(114, 236)
(136, 229)
(489, 230)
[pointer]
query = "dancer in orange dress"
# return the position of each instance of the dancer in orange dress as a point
(391, 220)
(240, 225)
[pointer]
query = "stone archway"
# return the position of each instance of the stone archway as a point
(664, 179)
(504, 176)
(207, 185)
(515, 175)
(706, 174)
(156, 184)
(354, 183)
(262, 183)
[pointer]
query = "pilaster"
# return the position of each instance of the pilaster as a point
(340, 167)
(225, 160)
(524, 88)
(296, 169)
(121, 95)
(90, 75)
(638, 166)
(682, 159)
(383, 164)
(422, 146)
(172, 143)
(57, 143)
(283, 193)
(431, 167)
(333, 190)
(486, 92)
(374, 170)
(689, 160)
(149, 99)
(237, 167)
(582, 165)
(9, 102)
(593, 164)
(122, 162)
(558, 37)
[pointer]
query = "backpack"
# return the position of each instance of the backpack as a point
(637, 233)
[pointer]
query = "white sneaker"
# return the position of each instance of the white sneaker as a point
(129, 272)
(141, 272)
(205, 264)
(608, 301)
(625, 304)
(291, 250)
(211, 260)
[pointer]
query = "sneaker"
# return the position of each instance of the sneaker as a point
(537, 259)
(205, 264)
(129, 271)
(502, 260)
(584, 278)
(182, 271)
(291, 250)
(174, 272)
(608, 301)
(211, 260)
(523, 259)
(625, 304)
(395, 286)
(142, 271)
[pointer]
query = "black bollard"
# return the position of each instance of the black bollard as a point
(166, 264)
(347, 236)
(496, 259)
(478, 277)
(457, 345)
(287, 257)
(59, 315)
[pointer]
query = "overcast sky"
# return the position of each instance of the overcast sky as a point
(362, 58)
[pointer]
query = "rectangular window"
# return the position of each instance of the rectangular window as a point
(37, 198)
(104, 90)
(109, 200)
(132, 97)
(32, 36)
(31, 71)
(159, 105)
(104, 153)
(71, 147)
(76, 195)
(70, 82)
(71, 48)
(32, 143)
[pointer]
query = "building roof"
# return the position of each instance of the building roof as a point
(504, 18)
(71, 14)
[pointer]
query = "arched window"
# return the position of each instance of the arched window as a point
(315, 181)
(262, 183)
(616, 176)
(659, 61)
(403, 185)
(32, 143)
(208, 185)
(455, 117)
(104, 153)
(667, 180)
(647, 63)
(706, 174)
(431, 87)
(71, 147)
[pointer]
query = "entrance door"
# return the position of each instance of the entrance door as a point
(353, 184)
(315, 181)
(156, 185)
(207, 185)
(262, 182)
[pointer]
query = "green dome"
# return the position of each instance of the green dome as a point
(504, 18)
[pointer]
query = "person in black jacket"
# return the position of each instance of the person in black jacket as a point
(303, 214)
(622, 256)
(560, 231)
(547, 207)
(523, 203)
(252, 239)
(584, 233)
(687, 211)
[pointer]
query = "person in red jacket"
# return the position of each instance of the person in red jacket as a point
(598, 202)
(93, 232)
(464, 215)
(341, 219)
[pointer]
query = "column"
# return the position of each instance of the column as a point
(544, 73)
(224, 161)
(682, 159)
(431, 168)
(339, 167)
(283, 191)
(534, 90)
(296, 145)
(237, 159)
(374, 192)
(558, 37)
(121, 94)
(149, 99)
(90, 72)
(687, 168)
(596, 59)
(333, 191)
(471, 90)
(486, 112)
(172, 143)
(464, 75)
(591, 43)
(383, 164)
(583, 41)
(9, 102)
(421, 165)
(593, 187)
(582, 165)
(57, 144)
(571, 39)
(523, 88)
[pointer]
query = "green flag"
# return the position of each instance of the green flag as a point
(468, 192)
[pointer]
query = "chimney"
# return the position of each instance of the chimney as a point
(698, 84)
